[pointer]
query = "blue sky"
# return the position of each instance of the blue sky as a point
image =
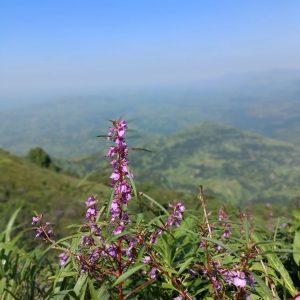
(48, 45)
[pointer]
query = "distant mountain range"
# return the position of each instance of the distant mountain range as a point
(267, 103)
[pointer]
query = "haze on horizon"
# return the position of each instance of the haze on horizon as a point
(52, 46)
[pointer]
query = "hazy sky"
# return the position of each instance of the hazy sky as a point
(69, 44)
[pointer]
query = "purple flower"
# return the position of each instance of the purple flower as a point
(153, 273)
(36, 219)
(147, 260)
(227, 232)
(39, 232)
(177, 215)
(91, 202)
(115, 176)
(239, 281)
(119, 229)
(112, 151)
(123, 189)
(154, 236)
(63, 259)
(251, 280)
(91, 213)
(216, 282)
(87, 241)
(222, 215)
(43, 229)
(178, 298)
(236, 278)
(112, 251)
(192, 272)
(180, 207)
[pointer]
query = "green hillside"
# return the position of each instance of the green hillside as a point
(59, 196)
(240, 166)
(232, 164)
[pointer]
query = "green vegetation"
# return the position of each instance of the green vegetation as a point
(233, 165)
(41, 158)
(24, 184)
(191, 250)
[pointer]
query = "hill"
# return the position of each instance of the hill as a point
(233, 165)
(59, 196)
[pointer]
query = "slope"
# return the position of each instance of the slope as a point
(59, 196)
(235, 165)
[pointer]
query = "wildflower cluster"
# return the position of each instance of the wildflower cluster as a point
(118, 155)
(43, 229)
(175, 218)
(223, 217)
(222, 278)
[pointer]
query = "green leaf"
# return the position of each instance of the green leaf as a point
(110, 202)
(92, 290)
(267, 293)
(64, 274)
(185, 265)
(275, 263)
(156, 203)
(133, 186)
(103, 294)
(10, 224)
(166, 285)
(127, 274)
(80, 284)
(296, 214)
(296, 248)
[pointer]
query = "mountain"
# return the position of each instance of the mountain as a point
(267, 103)
(234, 165)
(60, 197)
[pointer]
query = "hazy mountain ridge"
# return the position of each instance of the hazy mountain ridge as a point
(266, 103)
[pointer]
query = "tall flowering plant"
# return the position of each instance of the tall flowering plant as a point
(111, 251)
